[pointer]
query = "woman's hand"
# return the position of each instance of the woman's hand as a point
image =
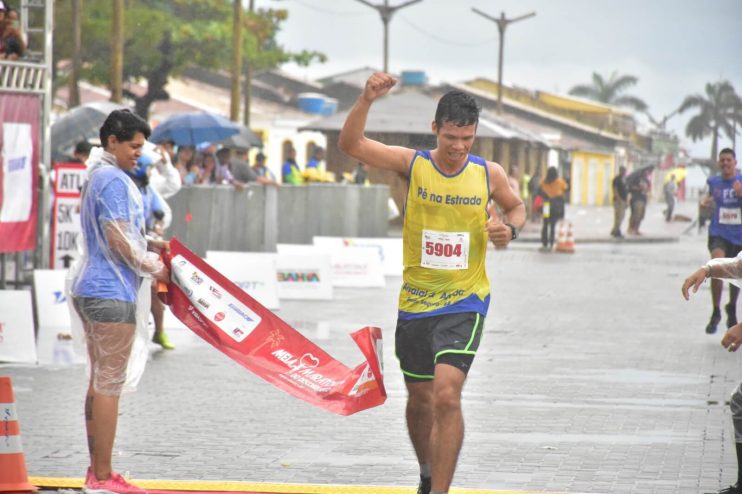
(158, 245)
(695, 280)
(733, 338)
(162, 275)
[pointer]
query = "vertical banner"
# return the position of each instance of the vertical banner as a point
(19, 170)
(16, 327)
(66, 228)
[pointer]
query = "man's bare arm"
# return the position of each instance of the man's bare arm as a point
(512, 206)
(352, 140)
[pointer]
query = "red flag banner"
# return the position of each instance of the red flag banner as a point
(19, 170)
(233, 322)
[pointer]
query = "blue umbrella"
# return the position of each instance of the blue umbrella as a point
(190, 129)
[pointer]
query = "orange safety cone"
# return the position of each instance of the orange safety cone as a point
(13, 476)
(566, 243)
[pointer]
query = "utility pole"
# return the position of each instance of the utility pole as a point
(74, 98)
(247, 88)
(386, 12)
(117, 51)
(234, 100)
(502, 24)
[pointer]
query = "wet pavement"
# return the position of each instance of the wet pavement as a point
(594, 375)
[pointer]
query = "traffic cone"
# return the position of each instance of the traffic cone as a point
(13, 476)
(566, 242)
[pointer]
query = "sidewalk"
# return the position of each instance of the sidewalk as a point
(593, 224)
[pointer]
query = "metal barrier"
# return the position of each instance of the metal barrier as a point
(259, 217)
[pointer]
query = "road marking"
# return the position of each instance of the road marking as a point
(258, 487)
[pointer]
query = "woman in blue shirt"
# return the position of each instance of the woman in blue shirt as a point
(106, 290)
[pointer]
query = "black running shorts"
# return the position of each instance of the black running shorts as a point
(103, 310)
(730, 249)
(451, 339)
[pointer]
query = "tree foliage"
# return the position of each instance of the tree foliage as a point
(163, 37)
(718, 110)
(609, 91)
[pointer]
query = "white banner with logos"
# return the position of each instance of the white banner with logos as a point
(358, 267)
(51, 303)
(303, 273)
(389, 249)
(254, 272)
(54, 343)
(16, 327)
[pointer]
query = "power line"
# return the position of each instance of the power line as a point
(444, 40)
(327, 11)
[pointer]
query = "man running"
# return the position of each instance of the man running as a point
(725, 231)
(445, 291)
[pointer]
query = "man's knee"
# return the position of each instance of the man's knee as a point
(735, 404)
(447, 399)
(419, 395)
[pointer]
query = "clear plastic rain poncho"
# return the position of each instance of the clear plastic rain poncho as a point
(109, 287)
(727, 268)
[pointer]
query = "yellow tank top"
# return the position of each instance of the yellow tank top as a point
(445, 240)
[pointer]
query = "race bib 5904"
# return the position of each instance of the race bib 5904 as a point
(445, 250)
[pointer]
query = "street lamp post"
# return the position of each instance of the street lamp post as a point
(386, 12)
(502, 24)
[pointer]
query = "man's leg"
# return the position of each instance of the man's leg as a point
(616, 230)
(158, 314)
(632, 218)
(447, 432)
(621, 215)
(641, 208)
(716, 289)
(419, 414)
(731, 307)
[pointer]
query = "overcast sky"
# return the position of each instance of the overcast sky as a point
(674, 47)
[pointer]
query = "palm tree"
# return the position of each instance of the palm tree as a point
(719, 109)
(609, 91)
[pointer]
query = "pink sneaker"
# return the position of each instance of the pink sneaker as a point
(115, 484)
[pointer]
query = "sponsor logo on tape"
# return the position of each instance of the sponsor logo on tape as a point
(301, 370)
(241, 313)
(196, 278)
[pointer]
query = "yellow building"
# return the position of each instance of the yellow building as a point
(591, 177)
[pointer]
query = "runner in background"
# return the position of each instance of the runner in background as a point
(725, 231)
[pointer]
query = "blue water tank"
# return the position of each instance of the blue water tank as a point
(311, 102)
(330, 107)
(414, 78)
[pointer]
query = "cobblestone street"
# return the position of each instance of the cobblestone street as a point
(594, 375)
